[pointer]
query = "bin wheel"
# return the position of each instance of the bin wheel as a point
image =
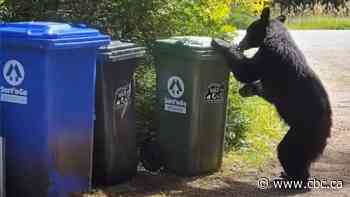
(151, 157)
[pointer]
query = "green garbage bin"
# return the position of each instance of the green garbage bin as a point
(192, 86)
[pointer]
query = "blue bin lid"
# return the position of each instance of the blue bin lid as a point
(51, 35)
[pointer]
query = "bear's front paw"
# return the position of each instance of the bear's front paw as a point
(251, 89)
(229, 50)
(236, 52)
(220, 44)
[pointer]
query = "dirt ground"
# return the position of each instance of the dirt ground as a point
(328, 53)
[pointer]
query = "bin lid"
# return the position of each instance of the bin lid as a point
(117, 51)
(51, 35)
(187, 46)
(194, 42)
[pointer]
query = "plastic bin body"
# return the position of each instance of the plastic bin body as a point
(2, 161)
(115, 153)
(192, 90)
(48, 112)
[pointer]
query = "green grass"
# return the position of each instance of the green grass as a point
(319, 22)
(264, 132)
(261, 130)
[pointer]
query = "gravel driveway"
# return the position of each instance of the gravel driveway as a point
(328, 53)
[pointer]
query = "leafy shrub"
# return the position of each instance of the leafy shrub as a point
(146, 100)
(144, 21)
(237, 122)
(241, 18)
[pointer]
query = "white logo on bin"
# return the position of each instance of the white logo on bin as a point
(215, 93)
(13, 73)
(122, 97)
(176, 87)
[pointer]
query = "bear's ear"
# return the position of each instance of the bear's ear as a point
(282, 18)
(265, 14)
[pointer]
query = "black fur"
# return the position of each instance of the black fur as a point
(290, 84)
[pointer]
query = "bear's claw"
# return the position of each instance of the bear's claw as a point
(222, 45)
(226, 48)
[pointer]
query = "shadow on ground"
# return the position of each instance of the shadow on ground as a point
(332, 166)
(146, 184)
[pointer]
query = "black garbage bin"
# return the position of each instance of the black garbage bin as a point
(115, 152)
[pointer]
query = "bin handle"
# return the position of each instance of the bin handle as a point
(48, 31)
(36, 32)
(80, 25)
(187, 41)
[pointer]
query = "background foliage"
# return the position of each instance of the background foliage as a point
(144, 21)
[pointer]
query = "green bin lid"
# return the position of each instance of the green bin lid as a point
(117, 51)
(194, 42)
(186, 46)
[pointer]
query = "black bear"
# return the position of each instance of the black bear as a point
(279, 73)
(253, 89)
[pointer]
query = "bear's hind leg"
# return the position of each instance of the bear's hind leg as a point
(293, 156)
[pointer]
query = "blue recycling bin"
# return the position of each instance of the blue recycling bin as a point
(47, 94)
(2, 160)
